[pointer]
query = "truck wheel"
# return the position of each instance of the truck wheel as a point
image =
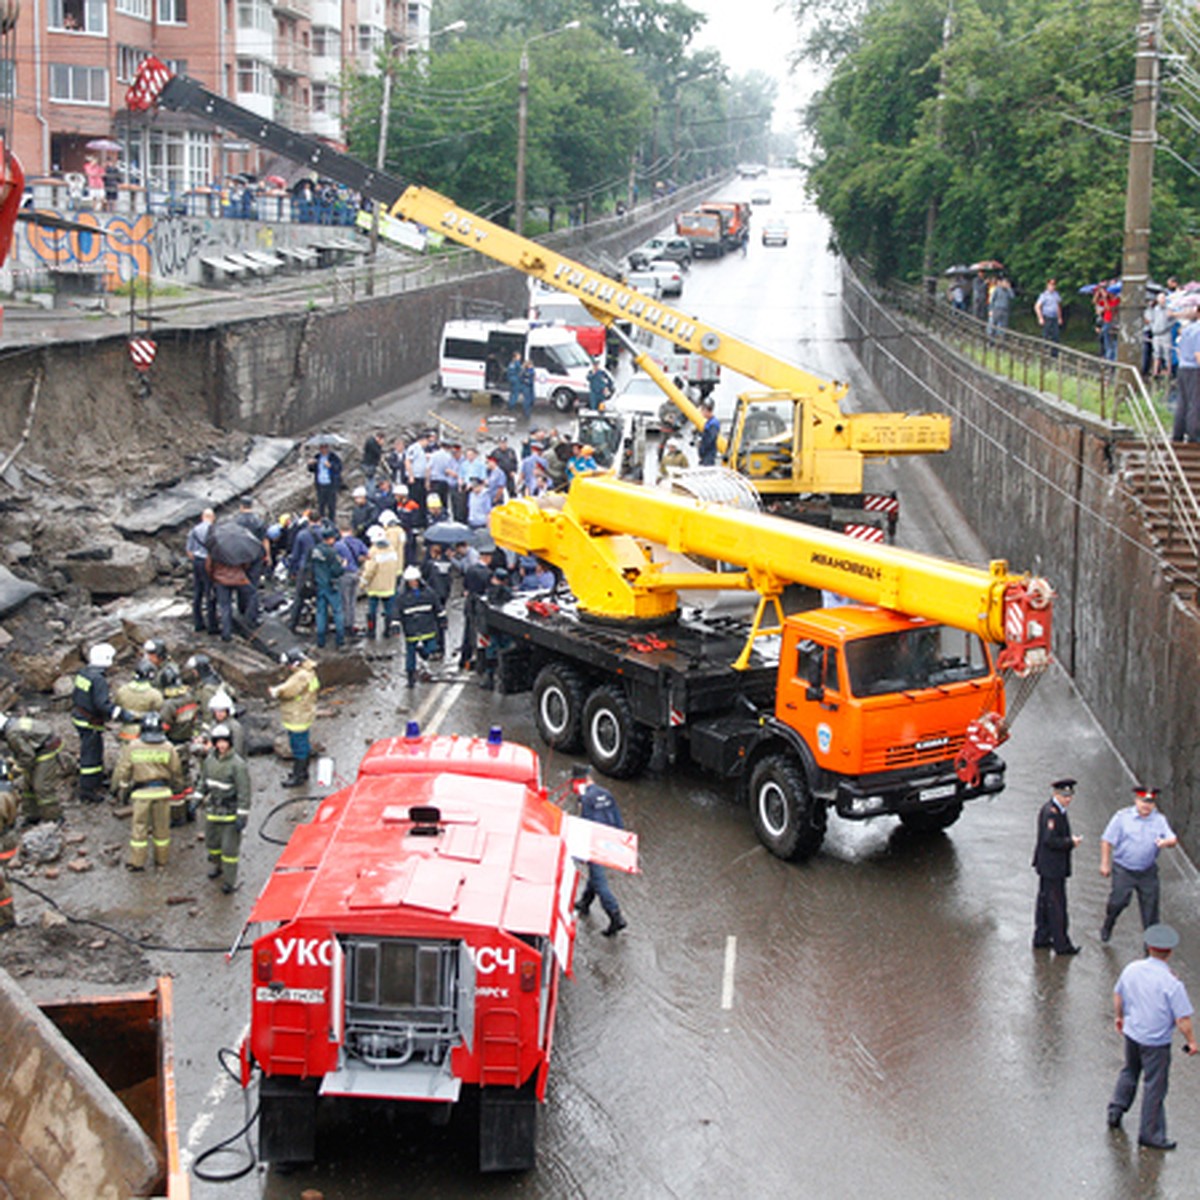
(617, 744)
(558, 706)
(563, 399)
(786, 818)
(932, 820)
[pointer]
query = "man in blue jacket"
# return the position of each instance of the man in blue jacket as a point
(597, 804)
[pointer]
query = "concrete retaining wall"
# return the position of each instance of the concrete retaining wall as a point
(1038, 484)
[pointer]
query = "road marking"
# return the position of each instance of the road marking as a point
(208, 1106)
(727, 977)
(431, 724)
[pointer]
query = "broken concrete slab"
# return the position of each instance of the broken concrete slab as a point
(14, 591)
(185, 501)
(130, 568)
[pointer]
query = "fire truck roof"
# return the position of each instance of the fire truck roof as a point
(490, 855)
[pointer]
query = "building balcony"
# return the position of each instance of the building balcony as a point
(294, 8)
(293, 114)
(292, 58)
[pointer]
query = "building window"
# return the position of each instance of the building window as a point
(254, 76)
(134, 8)
(255, 14)
(129, 58)
(78, 16)
(78, 85)
(326, 42)
(325, 98)
(172, 12)
(7, 79)
(367, 38)
(178, 160)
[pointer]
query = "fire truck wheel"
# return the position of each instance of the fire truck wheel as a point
(558, 706)
(563, 399)
(617, 744)
(785, 817)
(931, 820)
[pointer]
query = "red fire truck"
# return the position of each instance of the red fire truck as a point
(410, 941)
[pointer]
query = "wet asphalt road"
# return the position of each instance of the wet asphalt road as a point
(872, 1023)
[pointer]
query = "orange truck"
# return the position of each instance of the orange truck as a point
(705, 231)
(735, 221)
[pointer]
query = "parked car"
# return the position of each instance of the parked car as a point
(760, 196)
(775, 233)
(751, 170)
(677, 249)
(670, 276)
(649, 283)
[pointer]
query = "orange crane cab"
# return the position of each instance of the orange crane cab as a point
(410, 942)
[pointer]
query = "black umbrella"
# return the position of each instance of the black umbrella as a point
(448, 533)
(233, 544)
(326, 439)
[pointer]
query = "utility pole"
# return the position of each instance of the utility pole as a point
(1135, 258)
(385, 112)
(931, 211)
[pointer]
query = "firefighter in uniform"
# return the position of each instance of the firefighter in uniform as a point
(420, 617)
(297, 696)
(149, 772)
(220, 709)
(597, 804)
(136, 698)
(155, 649)
(179, 714)
(9, 845)
(91, 707)
(201, 676)
(34, 747)
(224, 784)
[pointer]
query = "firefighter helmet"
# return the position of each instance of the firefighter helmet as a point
(145, 670)
(295, 656)
(155, 647)
(168, 677)
(412, 574)
(152, 729)
(220, 702)
(103, 654)
(221, 731)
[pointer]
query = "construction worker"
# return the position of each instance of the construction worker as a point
(297, 696)
(34, 747)
(136, 698)
(91, 707)
(9, 845)
(420, 617)
(220, 708)
(180, 717)
(224, 785)
(149, 773)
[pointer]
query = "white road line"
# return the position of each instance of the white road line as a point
(432, 724)
(727, 977)
(208, 1108)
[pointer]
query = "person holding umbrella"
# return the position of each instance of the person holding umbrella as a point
(231, 549)
(326, 467)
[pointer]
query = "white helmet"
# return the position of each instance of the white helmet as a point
(220, 702)
(103, 654)
(411, 574)
(359, 493)
(387, 517)
(376, 534)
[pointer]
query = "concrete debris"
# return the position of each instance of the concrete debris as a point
(51, 873)
(79, 865)
(128, 568)
(73, 839)
(14, 591)
(43, 843)
(52, 919)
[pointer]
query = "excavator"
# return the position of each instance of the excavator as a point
(889, 701)
(802, 452)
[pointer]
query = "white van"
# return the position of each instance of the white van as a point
(474, 357)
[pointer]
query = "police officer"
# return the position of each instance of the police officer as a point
(297, 696)
(91, 707)
(9, 845)
(34, 747)
(136, 698)
(149, 771)
(597, 804)
(1149, 1004)
(1129, 853)
(1052, 861)
(420, 618)
(224, 784)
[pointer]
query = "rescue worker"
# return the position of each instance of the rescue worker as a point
(155, 649)
(224, 786)
(204, 680)
(297, 696)
(673, 460)
(149, 774)
(221, 709)
(10, 843)
(597, 804)
(34, 747)
(327, 569)
(91, 707)
(136, 698)
(420, 618)
(181, 721)
(380, 571)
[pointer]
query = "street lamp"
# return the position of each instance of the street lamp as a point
(522, 120)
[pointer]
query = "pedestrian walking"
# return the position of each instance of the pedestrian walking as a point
(34, 748)
(1052, 861)
(1129, 850)
(91, 708)
(597, 804)
(297, 696)
(1149, 1004)
(420, 619)
(147, 774)
(1049, 312)
(224, 785)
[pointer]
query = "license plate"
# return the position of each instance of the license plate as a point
(937, 793)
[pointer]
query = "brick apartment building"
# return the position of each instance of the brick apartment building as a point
(74, 59)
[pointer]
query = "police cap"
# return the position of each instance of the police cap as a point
(581, 771)
(1063, 787)
(1161, 937)
(1146, 793)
